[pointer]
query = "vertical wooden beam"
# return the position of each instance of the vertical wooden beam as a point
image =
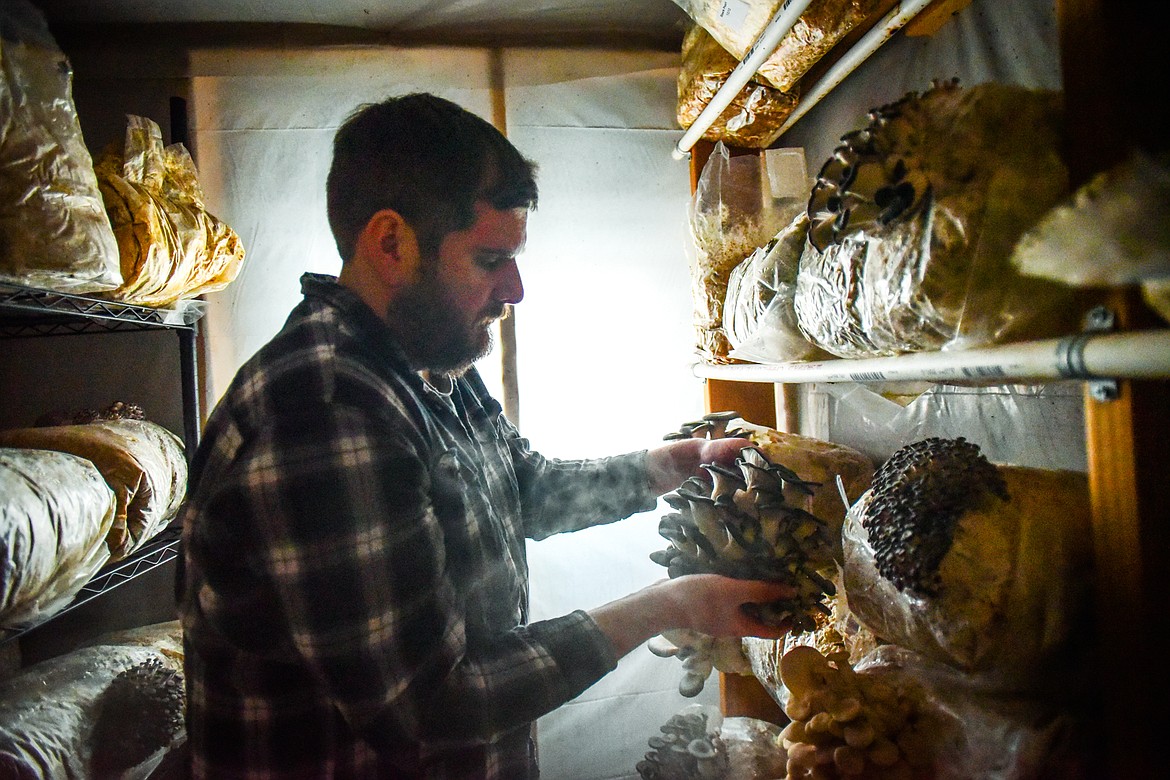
(739, 695)
(1113, 59)
(508, 371)
(754, 401)
(1128, 445)
(742, 696)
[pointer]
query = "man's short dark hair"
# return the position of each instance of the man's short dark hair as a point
(428, 159)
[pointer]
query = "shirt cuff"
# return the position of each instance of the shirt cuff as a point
(582, 652)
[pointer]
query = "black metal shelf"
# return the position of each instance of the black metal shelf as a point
(28, 312)
(157, 551)
(31, 311)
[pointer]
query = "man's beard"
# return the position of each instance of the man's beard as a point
(432, 333)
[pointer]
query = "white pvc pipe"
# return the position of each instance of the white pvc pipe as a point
(765, 43)
(881, 32)
(1134, 355)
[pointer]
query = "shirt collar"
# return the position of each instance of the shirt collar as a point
(369, 329)
(366, 324)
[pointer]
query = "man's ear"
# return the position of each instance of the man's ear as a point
(390, 243)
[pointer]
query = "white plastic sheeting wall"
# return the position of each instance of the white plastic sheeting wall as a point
(603, 335)
(604, 350)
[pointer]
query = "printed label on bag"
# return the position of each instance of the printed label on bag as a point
(733, 13)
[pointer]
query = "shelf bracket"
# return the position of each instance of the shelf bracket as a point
(1071, 354)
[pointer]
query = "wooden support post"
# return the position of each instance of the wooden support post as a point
(1127, 440)
(754, 401)
(739, 695)
(1113, 60)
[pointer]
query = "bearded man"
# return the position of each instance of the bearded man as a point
(354, 590)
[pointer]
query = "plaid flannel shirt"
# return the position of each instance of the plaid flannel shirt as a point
(354, 585)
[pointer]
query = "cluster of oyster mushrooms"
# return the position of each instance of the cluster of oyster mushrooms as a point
(846, 724)
(737, 523)
(868, 183)
(686, 748)
(151, 694)
(914, 506)
(119, 410)
(700, 654)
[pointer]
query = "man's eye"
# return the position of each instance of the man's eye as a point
(491, 262)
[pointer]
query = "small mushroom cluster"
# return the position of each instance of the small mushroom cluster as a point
(151, 694)
(737, 523)
(685, 750)
(846, 724)
(119, 410)
(871, 180)
(716, 425)
(700, 655)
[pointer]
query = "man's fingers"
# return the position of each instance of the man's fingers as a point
(761, 591)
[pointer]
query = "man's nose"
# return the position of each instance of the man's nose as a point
(510, 288)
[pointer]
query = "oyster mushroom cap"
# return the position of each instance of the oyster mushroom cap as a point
(725, 483)
(701, 748)
(718, 423)
(804, 670)
(662, 647)
(692, 684)
(761, 480)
